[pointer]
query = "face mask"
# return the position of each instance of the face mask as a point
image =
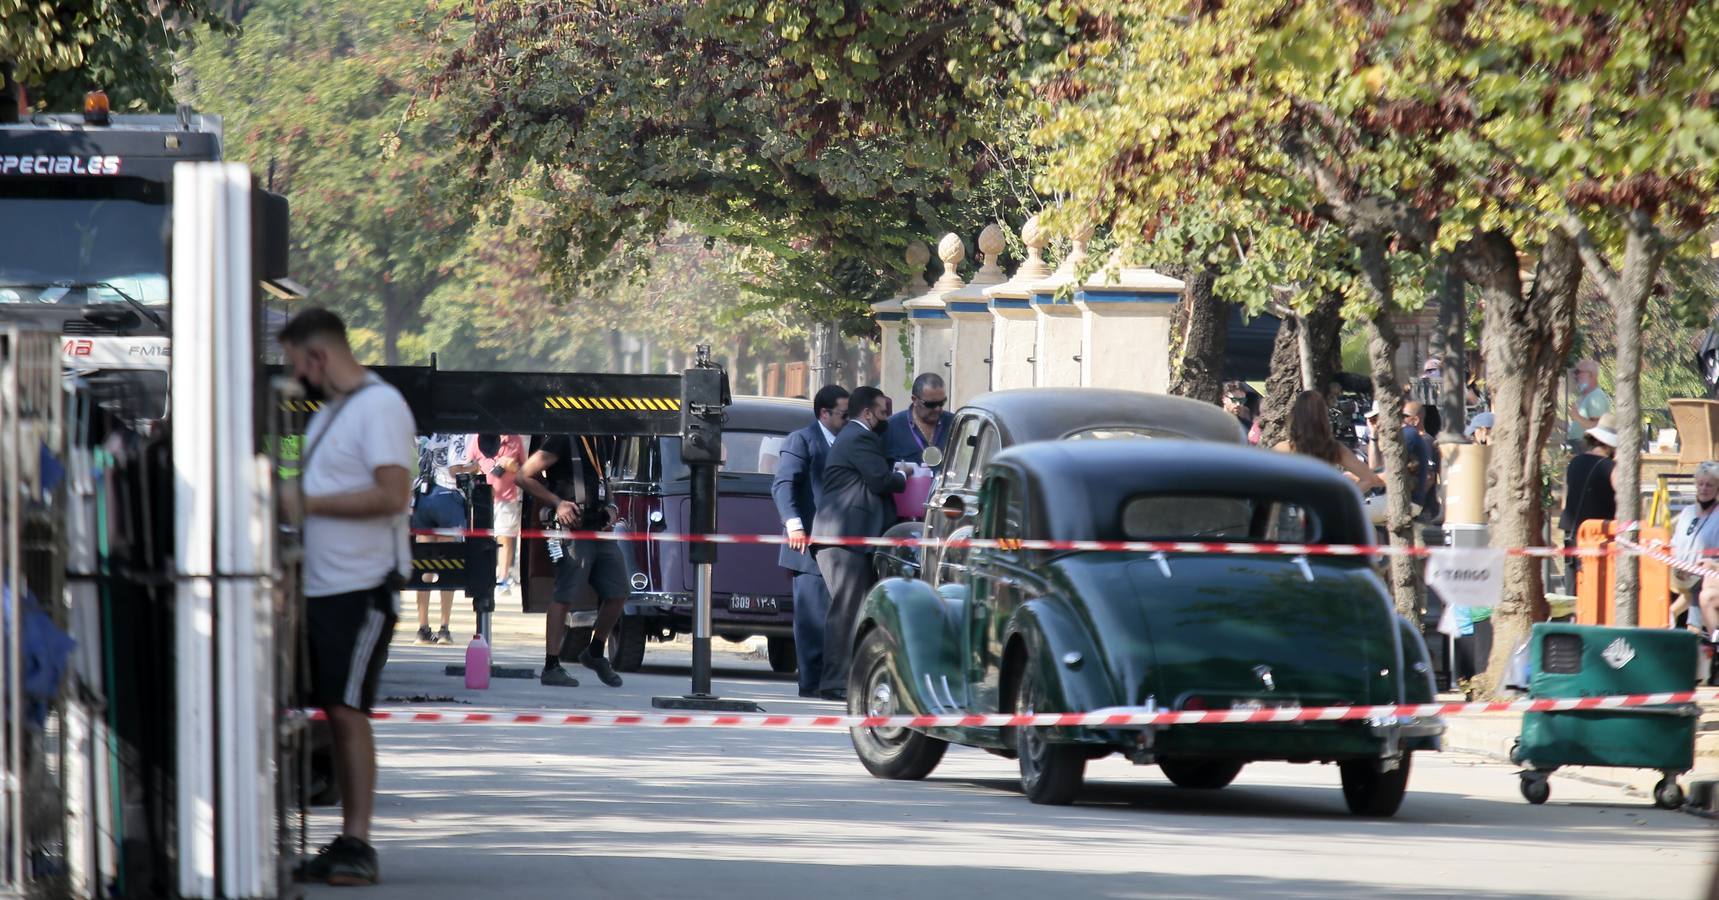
(881, 426)
(311, 391)
(1707, 504)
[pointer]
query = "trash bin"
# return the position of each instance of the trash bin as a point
(1568, 661)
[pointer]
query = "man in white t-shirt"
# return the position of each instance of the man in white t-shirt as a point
(358, 460)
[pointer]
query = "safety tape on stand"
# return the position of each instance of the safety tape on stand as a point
(1103, 718)
(1238, 548)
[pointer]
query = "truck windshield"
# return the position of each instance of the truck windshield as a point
(70, 242)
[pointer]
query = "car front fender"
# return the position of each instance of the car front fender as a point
(925, 651)
(1073, 671)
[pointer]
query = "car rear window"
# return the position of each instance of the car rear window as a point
(1175, 517)
(1122, 432)
(743, 452)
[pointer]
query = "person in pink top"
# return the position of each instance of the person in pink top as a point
(498, 457)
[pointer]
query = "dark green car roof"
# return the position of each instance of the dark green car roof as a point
(1081, 486)
(1050, 414)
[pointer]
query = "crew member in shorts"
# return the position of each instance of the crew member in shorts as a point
(356, 484)
(565, 475)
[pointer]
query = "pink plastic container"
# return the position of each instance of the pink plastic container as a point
(477, 664)
(910, 502)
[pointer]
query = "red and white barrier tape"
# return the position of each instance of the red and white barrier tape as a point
(1116, 718)
(1241, 548)
(1659, 551)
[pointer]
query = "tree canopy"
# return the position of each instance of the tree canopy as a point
(59, 50)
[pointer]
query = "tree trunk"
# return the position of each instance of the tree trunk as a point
(617, 351)
(1205, 340)
(1382, 343)
(1526, 339)
(1642, 257)
(1323, 325)
(1448, 346)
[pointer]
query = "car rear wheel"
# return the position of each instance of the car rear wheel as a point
(1200, 774)
(783, 658)
(626, 645)
(1371, 792)
(1051, 773)
(900, 754)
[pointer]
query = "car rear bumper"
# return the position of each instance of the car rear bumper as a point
(678, 607)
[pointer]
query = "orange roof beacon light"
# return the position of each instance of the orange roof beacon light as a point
(95, 108)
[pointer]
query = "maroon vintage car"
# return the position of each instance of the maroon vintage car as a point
(752, 595)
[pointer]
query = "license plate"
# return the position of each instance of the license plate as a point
(749, 603)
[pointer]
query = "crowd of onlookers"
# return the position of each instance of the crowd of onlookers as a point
(1316, 427)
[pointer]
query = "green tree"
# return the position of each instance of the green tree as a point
(825, 135)
(318, 96)
(58, 50)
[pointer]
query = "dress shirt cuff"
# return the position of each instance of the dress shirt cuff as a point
(794, 524)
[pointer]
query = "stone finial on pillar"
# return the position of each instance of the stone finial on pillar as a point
(1035, 268)
(951, 251)
(917, 256)
(991, 247)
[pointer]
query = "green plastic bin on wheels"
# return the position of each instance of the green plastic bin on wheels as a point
(1572, 661)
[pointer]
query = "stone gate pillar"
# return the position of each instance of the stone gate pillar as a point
(1014, 324)
(1057, 355)
(1125, 316)
(928, 314)
(970, 374)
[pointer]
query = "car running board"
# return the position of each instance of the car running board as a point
(944, 705)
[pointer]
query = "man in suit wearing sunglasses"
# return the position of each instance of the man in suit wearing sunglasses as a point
(926, 422)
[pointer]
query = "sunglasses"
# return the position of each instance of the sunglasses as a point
(933, 404)
(1237, 400)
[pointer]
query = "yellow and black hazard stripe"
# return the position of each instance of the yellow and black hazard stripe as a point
(440, 565)
(613, 404)
(304, 406)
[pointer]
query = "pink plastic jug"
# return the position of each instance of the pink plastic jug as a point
(910, 502)
(477, 664)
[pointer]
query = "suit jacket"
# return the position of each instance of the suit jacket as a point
(858, 482)
(798, 488)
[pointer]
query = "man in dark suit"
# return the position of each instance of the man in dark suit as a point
(856, 502)
(797, 488)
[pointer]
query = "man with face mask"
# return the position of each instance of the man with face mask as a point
(359, 455)
(855, 502)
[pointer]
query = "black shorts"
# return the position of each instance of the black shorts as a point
(599, 563)
(349, 637)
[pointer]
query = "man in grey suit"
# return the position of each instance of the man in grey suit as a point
(796, 489)
(856, 502)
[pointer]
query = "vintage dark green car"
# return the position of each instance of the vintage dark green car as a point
(1080, 631)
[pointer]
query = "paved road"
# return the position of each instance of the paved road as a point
(525, 812)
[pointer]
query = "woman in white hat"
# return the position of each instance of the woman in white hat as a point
(1695, 533)
(1588, 492)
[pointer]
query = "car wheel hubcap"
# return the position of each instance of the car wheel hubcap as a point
(880, 701)
(1030, 745)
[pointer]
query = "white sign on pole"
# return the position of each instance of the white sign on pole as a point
(1465, 577)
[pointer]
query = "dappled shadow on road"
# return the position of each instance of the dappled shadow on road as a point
(762, 880)
(761, 814)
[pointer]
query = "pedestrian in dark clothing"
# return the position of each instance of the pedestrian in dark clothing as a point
(925, 423)
(565, 475)
(1588, 491)
(858, 482)
(797, 488)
